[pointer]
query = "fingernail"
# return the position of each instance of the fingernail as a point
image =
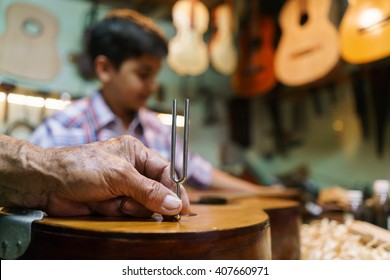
(171, 202)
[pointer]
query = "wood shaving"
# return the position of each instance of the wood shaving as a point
(329, 240)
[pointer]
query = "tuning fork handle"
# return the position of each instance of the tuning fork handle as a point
(179, 181)
(174, 178)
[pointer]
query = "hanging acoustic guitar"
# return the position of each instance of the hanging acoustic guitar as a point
(28, 46)
(188, 53)
(223, 53)
(233, 231)
(255, 73)
(365, 31)
(309, 45)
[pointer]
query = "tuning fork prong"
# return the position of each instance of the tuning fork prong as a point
(174, 178)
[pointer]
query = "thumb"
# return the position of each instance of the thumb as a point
(154, 196)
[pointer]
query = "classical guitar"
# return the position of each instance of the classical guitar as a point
(365, 31)
(188, 53)
(28, 46)
(255, 74)
(233, 231)
(309, 45)
(284, 215)
(223, 53)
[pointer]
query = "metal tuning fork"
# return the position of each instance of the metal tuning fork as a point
(179, 181)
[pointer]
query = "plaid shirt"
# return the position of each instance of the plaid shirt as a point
(90, 119)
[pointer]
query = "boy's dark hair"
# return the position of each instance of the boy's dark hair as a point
(125, 34)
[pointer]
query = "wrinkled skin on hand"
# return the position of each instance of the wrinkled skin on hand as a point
(116, 177)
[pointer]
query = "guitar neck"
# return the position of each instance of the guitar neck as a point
(304, 15)
(253, 20)
(303, 6)
(192, 15)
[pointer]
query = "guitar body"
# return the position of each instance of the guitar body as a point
(28, 46)
(188, 53)
(223, 54)
(255, 74)
(365, 31)
(284, 216)
(285, 221)
(306, 52)
(234, 231)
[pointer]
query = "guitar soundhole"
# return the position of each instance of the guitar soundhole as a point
(32, 28)
(304, 18)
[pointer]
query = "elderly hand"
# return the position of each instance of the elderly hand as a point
(116, 177)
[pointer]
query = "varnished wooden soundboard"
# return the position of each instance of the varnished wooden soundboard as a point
(234, 231)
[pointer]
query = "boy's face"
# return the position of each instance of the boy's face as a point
(130, 87)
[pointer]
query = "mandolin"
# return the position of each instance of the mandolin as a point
(188, 53)
(28, 46)
(223, 53)
(365, 31)
(255, 74)
(309, 45)
(233, 231)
